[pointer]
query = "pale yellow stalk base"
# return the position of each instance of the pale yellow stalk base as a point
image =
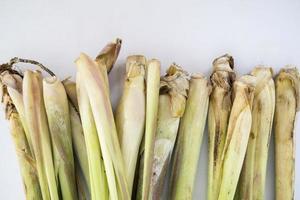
(287, 105)
(220, 104)
(130, 114)
(252, 178)
(237, 136)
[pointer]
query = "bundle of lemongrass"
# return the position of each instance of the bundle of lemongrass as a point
(70, 145)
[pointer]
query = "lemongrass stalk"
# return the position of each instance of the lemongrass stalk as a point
(25, 157)
(26, 161)
(97, 177)
(13, 84)
(187, 148)
(130, 114)
(172, 99)
(287, 105)
(152, 98)
(237, 136)
(220, 104)
(57, 109)
(37, 125)
(78, 140)
(98, 94)
(79, 144)
(105, 60)
(252, 178)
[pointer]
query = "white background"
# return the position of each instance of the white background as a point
(191, 33)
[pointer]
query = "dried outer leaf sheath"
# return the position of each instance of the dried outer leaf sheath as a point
(173, 92)
(287, 105)
(58, 115)
(13, 86)
(97, 91)
(130, 114)
(237, 136)
(220, 104)
(37, 125)
(152, 96)
(70, 88)
(109, 54)
(26, 161)
(97, 177)
(252, 178)
(187, 148)
(106, 59)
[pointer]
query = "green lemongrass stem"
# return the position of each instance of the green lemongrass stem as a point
(98, 95)
(287, 105)
(173, 92)
(58, 115)
(78, 140)
(97, 177)
(130, 114)
(37, 125)
(152, 98)
(26, 161)
(187, 147)
(79, 144)
(220, 104)
(252, 178)
(237, 136)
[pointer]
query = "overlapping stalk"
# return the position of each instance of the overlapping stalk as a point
(130, 114)
(187, 148)
(13, 86)
(79, 145)
(173, 92)
(93, 82)
(78, 140)
(105, 60)
(147, 146)
(237, 136)
(24, 153)
(252, 178)
(26, 161)
(220, 104)
(39, 132)
(70, 88)
(58, 115)
(287, 105)
(97, 177)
